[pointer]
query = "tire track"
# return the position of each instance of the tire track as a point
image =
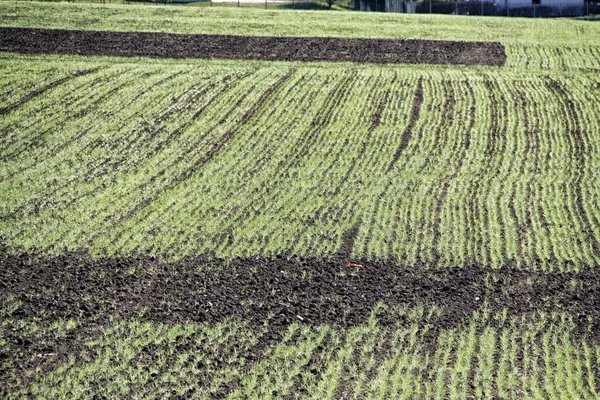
(407, 133)
(380, 149)
(432, 149)
(473, 192)
(323, 116)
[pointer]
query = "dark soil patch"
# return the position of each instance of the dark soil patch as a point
(341, 292)
(168, 45)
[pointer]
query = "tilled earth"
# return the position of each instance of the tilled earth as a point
(168, 45)
(284, 290)
(341, 292)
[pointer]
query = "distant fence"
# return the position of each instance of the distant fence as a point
(460, 7)
(466, 7)
(279, 4)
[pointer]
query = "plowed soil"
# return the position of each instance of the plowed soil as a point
(284, 291)
(167, 45)
(341, 292)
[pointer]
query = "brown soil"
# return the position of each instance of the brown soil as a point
(168, 45)
(340, 291)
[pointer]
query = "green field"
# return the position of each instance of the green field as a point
(488, 168)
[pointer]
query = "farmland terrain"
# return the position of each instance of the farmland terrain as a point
(196, 227)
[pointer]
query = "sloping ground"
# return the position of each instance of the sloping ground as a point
(548, 45)
(394, 352)
(451, 168)
(340, 198)
(165, 45)
(210, 229)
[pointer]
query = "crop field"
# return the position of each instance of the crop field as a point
(253, 224)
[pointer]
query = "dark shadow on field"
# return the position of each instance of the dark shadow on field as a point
(305, 5)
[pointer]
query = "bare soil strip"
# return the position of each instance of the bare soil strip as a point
(168, 45)
(340, 292)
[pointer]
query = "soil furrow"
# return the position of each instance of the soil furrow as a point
(499, 129)
(37, 140)
(414, 117)
(459, 154)
(432, 150)
(253, 169)
(213, 151)
(42, 90)
(475, 184)
(573, 129)
(375, 122)
(526, 227)
(226, 81)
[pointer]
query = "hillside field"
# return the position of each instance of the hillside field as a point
(245, 228)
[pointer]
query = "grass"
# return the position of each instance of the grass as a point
(234, 21)
(487, 177)
(492, 356)
(172, 158)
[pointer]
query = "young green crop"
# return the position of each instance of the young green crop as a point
(233, 159)
(529, 356)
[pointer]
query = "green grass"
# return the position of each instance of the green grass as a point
(113, 161)
(199, 157)
(242, 21)
(532, 44)
(488, 356)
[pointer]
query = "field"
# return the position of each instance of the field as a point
(197, 227)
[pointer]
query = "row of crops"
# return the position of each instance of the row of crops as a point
(300, 176)
(454, 167)
(491, 356)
